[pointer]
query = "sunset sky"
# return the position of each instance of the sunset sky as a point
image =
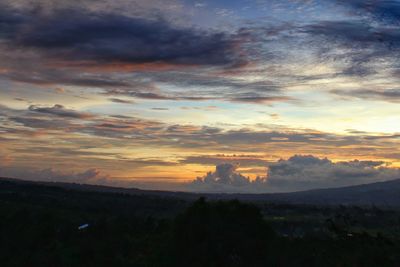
(154, 93)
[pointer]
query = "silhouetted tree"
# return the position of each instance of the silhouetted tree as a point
(222, 234)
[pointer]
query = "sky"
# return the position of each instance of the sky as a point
(215, 96)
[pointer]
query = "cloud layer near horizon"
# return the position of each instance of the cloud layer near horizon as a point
(298, 173)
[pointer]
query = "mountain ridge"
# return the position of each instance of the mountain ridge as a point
(386, 193)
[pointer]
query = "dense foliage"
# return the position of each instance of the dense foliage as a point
(39, 227)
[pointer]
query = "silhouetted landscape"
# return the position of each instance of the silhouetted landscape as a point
(55, 224)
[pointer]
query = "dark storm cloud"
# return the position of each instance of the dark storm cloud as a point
(61, 111)
(101, 37)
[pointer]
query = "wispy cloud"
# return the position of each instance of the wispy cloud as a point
(389, 95)
(61, 111)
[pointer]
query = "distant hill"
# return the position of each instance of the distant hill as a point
(378, 194)
(384, 194)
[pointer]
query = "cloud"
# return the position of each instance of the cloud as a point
(96, 44)
(93, 47)
(308, 172)
(107, 37)
(230, 139)
(299, 172)
(43, 75)
(255, 98)
(185, 136)
(364, 41)
(41, 123)
(355, 33)
(150, 162)
(198, 143)
(358, 42)
(89, 176)
(360, 45)
(387, 11)
(389, 95)
(61, 111)
(224, 176)
(121, 101)
(156, 96)
(242, 160)
(208, 80)
(261, 99)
